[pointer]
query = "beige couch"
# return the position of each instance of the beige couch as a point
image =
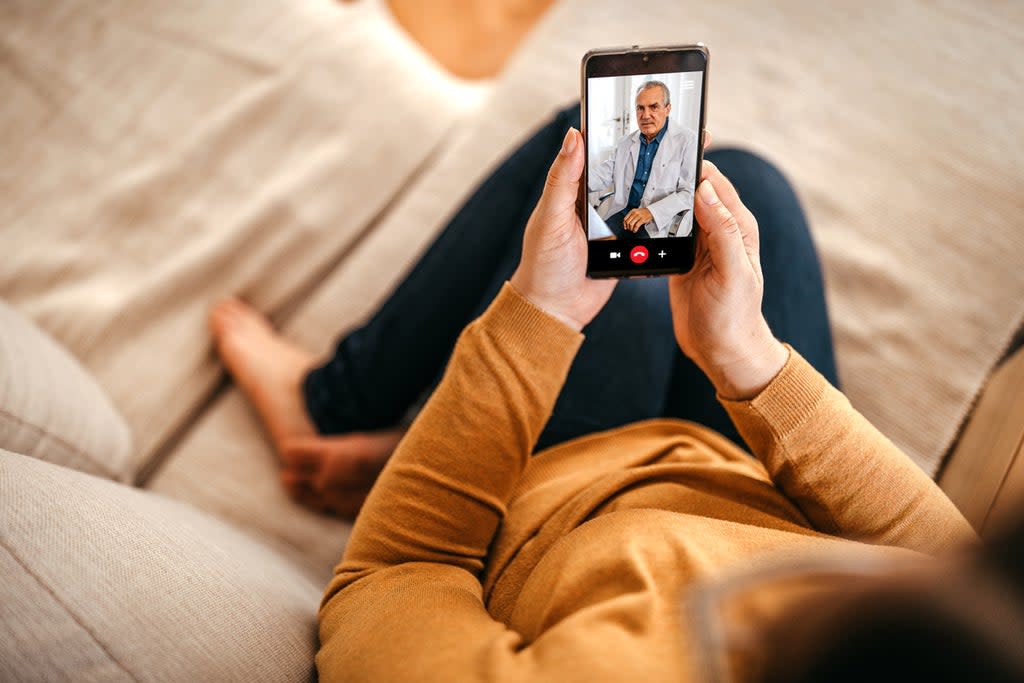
(302, 154)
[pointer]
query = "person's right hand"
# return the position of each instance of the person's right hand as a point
(716, 307)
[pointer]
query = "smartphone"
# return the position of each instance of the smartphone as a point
(642, 114)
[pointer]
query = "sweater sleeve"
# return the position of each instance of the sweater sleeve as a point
(420, 541)
(847, 478)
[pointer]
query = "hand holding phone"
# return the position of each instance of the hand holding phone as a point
(643, 113)
(716, 307)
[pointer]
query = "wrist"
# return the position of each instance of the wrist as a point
(520, 288)
(745, 378)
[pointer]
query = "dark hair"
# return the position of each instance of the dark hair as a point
(969, 628)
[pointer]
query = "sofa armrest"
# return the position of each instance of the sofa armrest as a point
(984, 475)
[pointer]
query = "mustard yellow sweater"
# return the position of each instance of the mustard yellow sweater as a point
(473, 561)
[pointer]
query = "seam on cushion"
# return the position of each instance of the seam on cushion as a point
(67, 610)
(75, 450)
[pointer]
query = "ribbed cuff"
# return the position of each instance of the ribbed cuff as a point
(783, 405)
(522, 327)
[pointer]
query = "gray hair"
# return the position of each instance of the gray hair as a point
(655, 84)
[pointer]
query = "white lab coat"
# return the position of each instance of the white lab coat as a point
(669, 191)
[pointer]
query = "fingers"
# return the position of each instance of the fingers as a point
(629, 222)
(725, 189)
(723, 186)
(722, 232)
(731, 198)
(562, 186)
(634, 220)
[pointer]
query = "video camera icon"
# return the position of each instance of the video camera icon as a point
(615, 254)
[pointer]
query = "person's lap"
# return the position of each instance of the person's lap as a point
(629, 367)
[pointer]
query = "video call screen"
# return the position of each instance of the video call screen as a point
(642, 138)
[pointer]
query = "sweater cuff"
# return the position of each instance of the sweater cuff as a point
(782, 406)
(524, 328)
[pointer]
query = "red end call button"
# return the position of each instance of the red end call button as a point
(638, 254)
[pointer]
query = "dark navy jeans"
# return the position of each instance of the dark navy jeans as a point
(629, 367)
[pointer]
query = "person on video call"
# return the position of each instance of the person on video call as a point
(645, 188)
(597, 459)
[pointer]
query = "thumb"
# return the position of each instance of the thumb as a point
(562, 184)
(721, 232)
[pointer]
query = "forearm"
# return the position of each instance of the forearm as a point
(414, 622)
(428, 622)
(846, 476)
(443, 493)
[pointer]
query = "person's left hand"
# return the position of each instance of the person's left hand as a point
(552, 273)
(636, 219)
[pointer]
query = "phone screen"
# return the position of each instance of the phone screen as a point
(643, 125)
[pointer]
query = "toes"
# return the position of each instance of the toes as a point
(295, 482)
(343, 503)
(299, 459)
(220, 315)
(244, 314)
(350, 507)
(300, 489)
(232, 314)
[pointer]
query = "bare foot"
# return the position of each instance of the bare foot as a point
(334, 474)
(267, 367)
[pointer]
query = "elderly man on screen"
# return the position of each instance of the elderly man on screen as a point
(645, 189)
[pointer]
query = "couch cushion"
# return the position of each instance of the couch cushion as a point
(226, 467)
(105, 582)
(156, 160)
(52, 408)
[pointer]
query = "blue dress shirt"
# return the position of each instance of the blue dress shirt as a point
(648, 150)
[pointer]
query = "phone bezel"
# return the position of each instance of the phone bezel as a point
(629, 61)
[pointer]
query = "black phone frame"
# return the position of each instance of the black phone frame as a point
(679, 252)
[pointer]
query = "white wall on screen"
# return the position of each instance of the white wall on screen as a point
(611, 104)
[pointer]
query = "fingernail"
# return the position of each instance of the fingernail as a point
(707, 192)
(569, 143)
